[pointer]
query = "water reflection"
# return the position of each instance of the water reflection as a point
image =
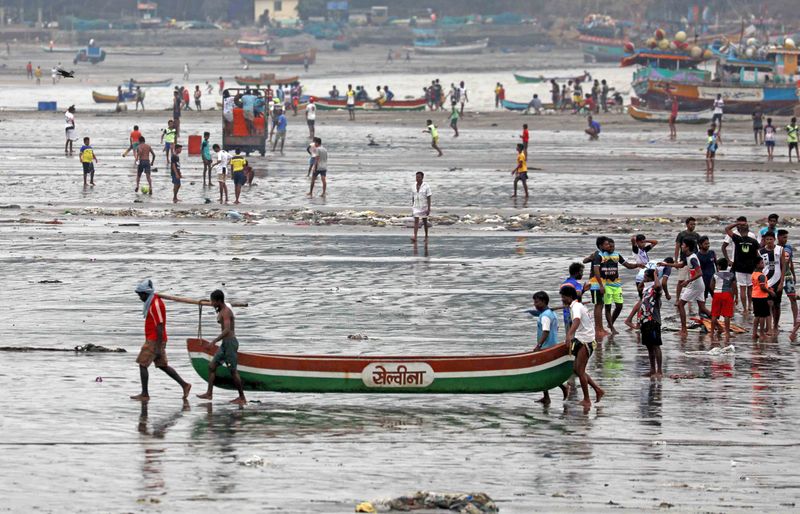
(155, 453)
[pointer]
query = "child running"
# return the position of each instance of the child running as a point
(546, 333)
(724, 285)
(88, 158)
(521, 171)
(431, 129)
(454, 116)
(580, 338)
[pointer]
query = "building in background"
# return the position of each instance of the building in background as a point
(276, 10)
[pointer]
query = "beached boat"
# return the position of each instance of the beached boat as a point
(262, 56)
(59, 50)
(328, 104)
(641, 114)
(148, 83)
(471, 48)
(265, 79)
(523, 79)
(767, 83)
(521, 106)
(601, 49)
(127, 96)
(474, 374)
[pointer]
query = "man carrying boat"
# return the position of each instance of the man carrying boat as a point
(227, 351)
(154, 349)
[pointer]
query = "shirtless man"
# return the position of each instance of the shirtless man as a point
(227, 351)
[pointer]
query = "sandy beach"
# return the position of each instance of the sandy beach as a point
(716, 434)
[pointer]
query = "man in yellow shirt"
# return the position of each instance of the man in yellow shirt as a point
(238, 163)
(521, 171)
(88, 158)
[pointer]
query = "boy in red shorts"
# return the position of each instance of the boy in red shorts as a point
(723, 283)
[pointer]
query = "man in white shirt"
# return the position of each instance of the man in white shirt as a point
(580, 338)
(311, 117)
(320, 167)
(69, 127)
(222, 162)
(462, 96)
(351, 102)
(719, 106)
(420, 204)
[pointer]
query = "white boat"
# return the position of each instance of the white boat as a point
(471, 48)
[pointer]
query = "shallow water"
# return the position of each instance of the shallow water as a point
(724, 438)
(721, 438)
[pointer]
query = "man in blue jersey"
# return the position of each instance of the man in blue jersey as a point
(546, 333)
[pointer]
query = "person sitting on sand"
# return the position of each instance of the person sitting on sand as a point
(154, 349)
(227, 351)
(594, 129)
(546, 333)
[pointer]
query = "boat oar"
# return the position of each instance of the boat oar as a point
(192, 301)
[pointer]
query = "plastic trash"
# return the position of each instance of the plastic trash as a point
(254, 461)
(234, 215)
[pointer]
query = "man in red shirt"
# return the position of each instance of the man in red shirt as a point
(525, 136)
(221, 85)
(134, 143)
(154, 349)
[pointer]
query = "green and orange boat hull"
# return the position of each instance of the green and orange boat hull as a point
(476, 374)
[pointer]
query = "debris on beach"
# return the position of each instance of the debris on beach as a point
(254, 461)
(464, 503)
(358, 337)
(87, 348)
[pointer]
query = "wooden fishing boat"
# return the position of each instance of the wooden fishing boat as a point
(601, 49)
(471, 48)
(521, 106)
(523, 79)
(328, 104)
(148, 83)
(262, 56)
(474, 374)
(265, 79)
(641, 114)
(127, 96)
(59, 50)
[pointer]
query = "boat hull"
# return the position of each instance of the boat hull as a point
(149, 83)
(262, 57)
(486, 374)
(418, 104)
(641, 114)
(265, 79)
(738, 99)
(474, 48)
(100, 98)
(601, 49)
(522, 106)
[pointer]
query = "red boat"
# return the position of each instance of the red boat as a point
(328, 104)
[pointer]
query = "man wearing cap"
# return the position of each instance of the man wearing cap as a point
(311, 117)
(154, 349)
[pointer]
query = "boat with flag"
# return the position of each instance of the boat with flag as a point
(330, 104)
(470, 374)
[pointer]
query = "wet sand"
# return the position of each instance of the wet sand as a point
(719, 436)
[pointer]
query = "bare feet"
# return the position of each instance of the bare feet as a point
(630, 324)
(140, 397)
(236, 202)
(567, 389)
(544, 400)
(205, 396)
(613, 331)
(413, 239)
(599, 394)
(239, 401)
(586, 403)
(186, 389)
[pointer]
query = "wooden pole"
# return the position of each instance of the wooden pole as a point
(192, 301)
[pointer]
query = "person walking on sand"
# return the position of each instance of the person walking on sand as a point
(434, 132)
(168, 136)
(146, 157)
(197, 95)
(69, 128)
(462, 97)
(205, 154)
(454, 115)
(420, 204)
(758, 125)
(311, 117)
(719, 108)
(88, 159)
(791, 138)
(673, 116)
(228, 350)
(580, 338)
(351, 102)
(769, 139)
(133, 144)
(280, 131)
(525, 136)
(175, 172)
(712, 144)
(154, 349)
(176, 113)
(186, 71)
(29, 70)
(139, 98)
(320, 167)
(238, 164)
(38, 75)
(546, 334)
(223, 158)
(521, 171)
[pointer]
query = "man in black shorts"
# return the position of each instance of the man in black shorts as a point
(146, 156)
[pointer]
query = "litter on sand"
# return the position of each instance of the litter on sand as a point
(463, 503)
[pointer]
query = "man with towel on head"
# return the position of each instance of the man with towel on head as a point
(154, 349)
